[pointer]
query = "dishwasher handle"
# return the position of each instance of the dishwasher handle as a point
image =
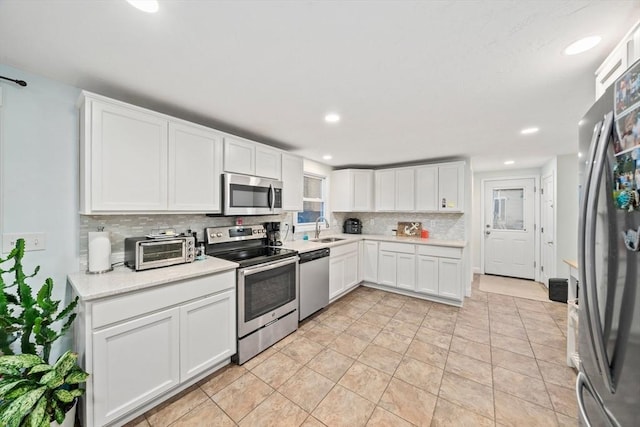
(314, 255)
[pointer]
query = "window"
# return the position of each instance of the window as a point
(313, 200)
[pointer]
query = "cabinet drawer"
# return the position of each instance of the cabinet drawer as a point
(440, 251)
(398, 247)
(344, 249)
(123, 307)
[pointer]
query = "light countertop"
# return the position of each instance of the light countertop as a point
(123, 279)
(309, 245)
(571, 263)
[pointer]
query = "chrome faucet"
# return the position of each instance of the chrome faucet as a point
(318, 225)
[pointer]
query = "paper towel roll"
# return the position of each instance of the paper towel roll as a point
(99, 251)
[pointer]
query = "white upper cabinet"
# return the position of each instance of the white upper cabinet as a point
(385, 190)
(618, 61)
(451, 187)
(268, 162)
(405, 190)
(427, 188)
(195, 165)
(137, 160)
(123, 158)
(352, 190)
(250, 158)
(292, 182)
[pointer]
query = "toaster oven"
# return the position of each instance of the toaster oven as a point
(143, 253)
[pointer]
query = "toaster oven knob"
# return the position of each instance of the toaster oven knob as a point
(218, 234)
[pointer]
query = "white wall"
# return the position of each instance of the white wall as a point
(566, 212)
(39, 166)
(477, 227)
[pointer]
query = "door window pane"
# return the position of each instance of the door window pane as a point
(508, 209)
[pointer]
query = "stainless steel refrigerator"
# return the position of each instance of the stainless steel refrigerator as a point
(608, 384)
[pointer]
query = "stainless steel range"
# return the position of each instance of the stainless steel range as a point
(267, 286)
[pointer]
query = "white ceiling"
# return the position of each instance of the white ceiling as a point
(413, 80)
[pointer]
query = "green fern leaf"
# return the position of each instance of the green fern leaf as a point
(20, 407)
(38, 415)
(20, 361)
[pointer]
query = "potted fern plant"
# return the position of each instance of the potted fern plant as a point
(32, 391)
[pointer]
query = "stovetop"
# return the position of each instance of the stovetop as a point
(255, 255)
(246, 245)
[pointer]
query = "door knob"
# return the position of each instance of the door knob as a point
(487, 232)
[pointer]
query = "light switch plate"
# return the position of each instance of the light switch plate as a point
(32, 241)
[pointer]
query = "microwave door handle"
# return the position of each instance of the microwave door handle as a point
(272, 197)
(591, 294)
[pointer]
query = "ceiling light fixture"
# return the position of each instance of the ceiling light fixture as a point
(149, 6)
(332, 118)
(509, 162)
(582, 45)
(529, 131)
(327, 157)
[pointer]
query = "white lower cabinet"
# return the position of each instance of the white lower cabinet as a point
(370, 261)
(434, 272)
(135, 361)
(140, 348)
(343, 269)
(440, 272)
(396, 265)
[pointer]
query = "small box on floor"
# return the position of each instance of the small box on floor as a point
(558, 289)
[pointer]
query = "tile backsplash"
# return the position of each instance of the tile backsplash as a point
(121, 226)
(447, 226)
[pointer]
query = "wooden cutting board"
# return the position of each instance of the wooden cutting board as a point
(409, 229)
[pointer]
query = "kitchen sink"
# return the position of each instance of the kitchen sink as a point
(328, 240)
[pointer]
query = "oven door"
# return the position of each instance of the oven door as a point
(161, 253)
(266, 292)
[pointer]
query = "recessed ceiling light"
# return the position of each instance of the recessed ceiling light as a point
(528, 131)
(327, 157)
(509, 162)
(579, 155)
(332, 118)
(582, 45)
(149, 6)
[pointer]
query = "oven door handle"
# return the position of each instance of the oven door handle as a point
(269, 266)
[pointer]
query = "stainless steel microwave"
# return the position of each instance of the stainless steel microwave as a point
(250, 195)
(143, 253)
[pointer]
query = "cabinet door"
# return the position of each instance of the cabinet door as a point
(336, 276)
(195, 166)
(341, 191)
(387, 268)
(207, 333)
(406, 271)
(385, 190)
(350, 270)
(362, 191)
(292, 182)
(134, 362)
(268, 162)
(427, 188)
(370, 262)
(427, 275)
(451, 188)
(450, 278)
(128, 159)
(239, 156)
(609, 71)
(405, 190)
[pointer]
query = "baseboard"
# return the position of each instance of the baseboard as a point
(477, 270)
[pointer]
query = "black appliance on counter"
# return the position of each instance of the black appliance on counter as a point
(267, 282)
(352, 226)
(273, 233)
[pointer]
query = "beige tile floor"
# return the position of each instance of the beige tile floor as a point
(380, 359)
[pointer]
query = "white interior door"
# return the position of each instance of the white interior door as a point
(547, 231)
(509, 237)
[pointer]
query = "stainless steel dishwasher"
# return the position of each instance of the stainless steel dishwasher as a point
(314, 281)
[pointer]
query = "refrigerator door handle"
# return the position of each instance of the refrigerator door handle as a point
(591, 294)
(582, 224)
(582, 384)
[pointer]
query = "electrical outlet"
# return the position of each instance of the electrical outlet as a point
(32, 241)
(432, 223)
(372, 222)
